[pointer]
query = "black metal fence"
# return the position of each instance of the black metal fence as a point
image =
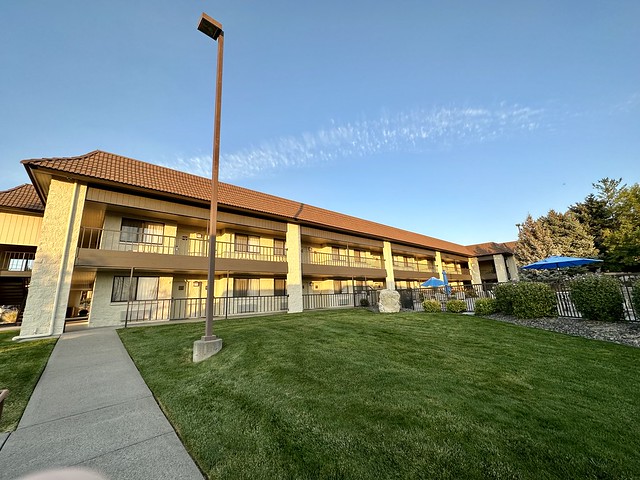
(186, 308)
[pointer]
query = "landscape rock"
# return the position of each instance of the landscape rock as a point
(389, 301)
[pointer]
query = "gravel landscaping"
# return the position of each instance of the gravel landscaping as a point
(623, 333)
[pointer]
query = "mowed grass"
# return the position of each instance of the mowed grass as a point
(353, 395)
(21, 365)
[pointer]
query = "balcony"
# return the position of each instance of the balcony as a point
(17, 263)
(335, 260)
(98, 247)
(334, 264)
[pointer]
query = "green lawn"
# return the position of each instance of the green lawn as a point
(358, 395)
(21, 365)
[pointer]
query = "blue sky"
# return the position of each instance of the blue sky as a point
(453, 119)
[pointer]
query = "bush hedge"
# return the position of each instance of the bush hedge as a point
(526, 300)
(431, 306)
(597, 297)
(456, 306)
(485, 306)
(534, 300)
(504, 297)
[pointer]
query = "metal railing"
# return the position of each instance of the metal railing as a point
(414, 267)
(117, 240)
(457, 271)
(171, 309)
(318, 301)
(17, 261)
(336, 260)
(186, 308)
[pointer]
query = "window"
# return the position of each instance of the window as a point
(20, 265)
(139, 231)
(278, 247)
(340, 286)
(279, 286)
(144, 288)
(247, 243)
(246, 287)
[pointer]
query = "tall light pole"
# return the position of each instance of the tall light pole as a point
(209, 344)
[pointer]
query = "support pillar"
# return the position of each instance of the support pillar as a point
(388, 266)
(46, 306)
(294, 271)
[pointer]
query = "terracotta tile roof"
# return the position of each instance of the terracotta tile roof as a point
(109, 167)
(23, 197)
(491, 248)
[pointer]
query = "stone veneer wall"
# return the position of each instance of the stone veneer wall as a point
(56, 253)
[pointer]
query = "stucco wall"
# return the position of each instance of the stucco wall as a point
(294, 275)
(107, 313)
(388, 266)
(501, 268)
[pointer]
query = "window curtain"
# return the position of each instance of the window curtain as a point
(147, 288)
(153, 233)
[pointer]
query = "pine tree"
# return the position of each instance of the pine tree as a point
(534, 242)
(623, 241)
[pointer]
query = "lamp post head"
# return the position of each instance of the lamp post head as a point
(210, 27)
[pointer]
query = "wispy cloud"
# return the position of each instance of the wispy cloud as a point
(412, 132)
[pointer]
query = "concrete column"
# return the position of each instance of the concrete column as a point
(53, 266)
(294, 271)
(388, 265)
(474, 267)
(438, 264)
(513, 268)
(501, 268)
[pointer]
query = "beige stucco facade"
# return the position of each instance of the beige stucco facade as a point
(294, 273)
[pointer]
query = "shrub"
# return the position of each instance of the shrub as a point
(431, 306)
(597, 297)
(534, 300)
(485, 306)
(364, 302)
(456, 306)
(504, 297)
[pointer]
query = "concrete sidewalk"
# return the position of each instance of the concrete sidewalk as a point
(92, 409)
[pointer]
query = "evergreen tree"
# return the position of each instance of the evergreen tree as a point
(623, 240)
(568, 236)
(595, 216)
(534, 242)
(553, 234)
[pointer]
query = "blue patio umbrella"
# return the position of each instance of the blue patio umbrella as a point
(433, 282)
(557, 261)
(447, 288)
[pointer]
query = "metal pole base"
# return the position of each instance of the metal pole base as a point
(203, 349)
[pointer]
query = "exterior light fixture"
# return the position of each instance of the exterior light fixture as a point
(209, 344)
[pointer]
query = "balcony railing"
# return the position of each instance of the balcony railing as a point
(414, 267)
(17, 261)
(457, 271)
(184, 308)
(335, 260)
(116, 240)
